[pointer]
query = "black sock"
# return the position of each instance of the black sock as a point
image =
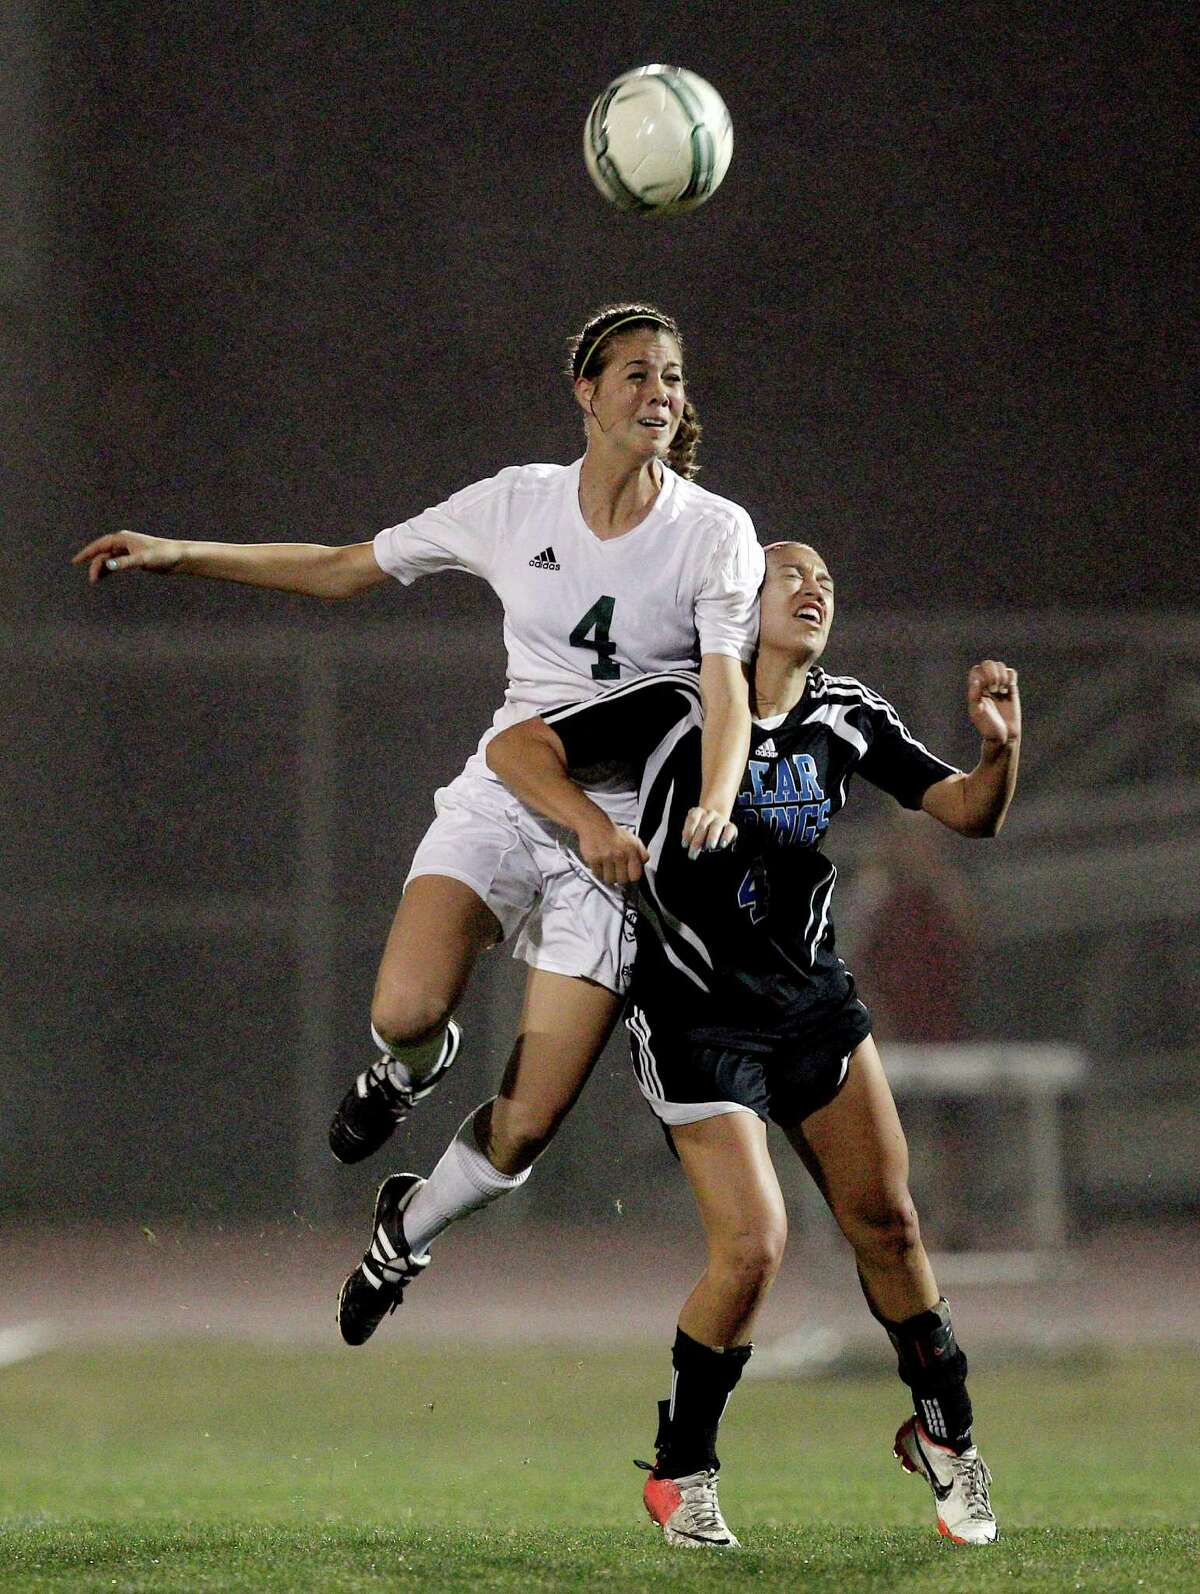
(935, 1369)
(700, 1390)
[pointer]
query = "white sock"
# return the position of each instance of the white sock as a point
(463, 1182)
(409, 1064)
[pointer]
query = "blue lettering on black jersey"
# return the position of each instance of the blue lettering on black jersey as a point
(756, 769)
(794, 810)
(753, 892)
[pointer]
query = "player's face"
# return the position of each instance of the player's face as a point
(636, 402)
(796, 605)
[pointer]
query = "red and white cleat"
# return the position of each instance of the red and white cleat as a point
(959, 1484)
(687, 1511)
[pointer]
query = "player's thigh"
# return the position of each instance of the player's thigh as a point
(729, 1168)
(578, 926)
(855, 1147)
(565, 1023)
(440, 928)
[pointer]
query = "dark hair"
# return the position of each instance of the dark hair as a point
(589, 351)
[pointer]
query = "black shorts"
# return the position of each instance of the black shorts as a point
(685, 1079)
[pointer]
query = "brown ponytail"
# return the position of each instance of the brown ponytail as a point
(681, 456)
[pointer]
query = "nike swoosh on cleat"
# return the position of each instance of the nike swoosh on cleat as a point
(941, 1490)
(698, 1538)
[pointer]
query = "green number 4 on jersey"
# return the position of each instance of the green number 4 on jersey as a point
(599, 618)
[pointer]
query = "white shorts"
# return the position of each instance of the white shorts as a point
(564, 919)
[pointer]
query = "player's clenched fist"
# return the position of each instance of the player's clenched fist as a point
(613, 854)
(993, 702)
(128, 550)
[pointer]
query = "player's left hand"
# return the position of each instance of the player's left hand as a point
(993, 702)
(707, 830)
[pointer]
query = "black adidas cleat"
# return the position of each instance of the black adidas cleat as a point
(376, 1287)
(373, 1106)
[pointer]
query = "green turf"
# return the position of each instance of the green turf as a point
(226, 1468)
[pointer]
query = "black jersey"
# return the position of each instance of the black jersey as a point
(736, 948)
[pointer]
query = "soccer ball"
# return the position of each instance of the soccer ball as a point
(658, 140)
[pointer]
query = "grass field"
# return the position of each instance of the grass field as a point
(181, 1467)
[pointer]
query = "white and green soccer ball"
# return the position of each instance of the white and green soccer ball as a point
(658, 140)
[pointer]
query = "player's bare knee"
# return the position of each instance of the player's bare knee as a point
(886, 1231)
(749, 1262)
(405, 1018)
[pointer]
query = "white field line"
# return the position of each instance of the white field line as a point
(25, 1340)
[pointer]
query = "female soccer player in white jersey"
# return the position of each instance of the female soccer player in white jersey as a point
(741, 1011)
(609, 568)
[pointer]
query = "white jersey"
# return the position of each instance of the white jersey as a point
(582, 614)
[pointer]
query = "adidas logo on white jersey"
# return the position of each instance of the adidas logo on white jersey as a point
(766, 749)
(545, 560)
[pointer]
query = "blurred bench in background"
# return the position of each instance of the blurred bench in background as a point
(1038, 1075)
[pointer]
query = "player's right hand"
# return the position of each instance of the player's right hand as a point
(613, 854)
(707, 830)
(128, 550)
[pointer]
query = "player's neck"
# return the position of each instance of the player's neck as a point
(616, 493)
(778, 683)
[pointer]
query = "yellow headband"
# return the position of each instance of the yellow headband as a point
(640, 315)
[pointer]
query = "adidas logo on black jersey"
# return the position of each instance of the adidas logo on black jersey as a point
(545, 560)
(766, 749)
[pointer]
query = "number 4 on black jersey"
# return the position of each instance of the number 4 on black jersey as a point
(737, 948)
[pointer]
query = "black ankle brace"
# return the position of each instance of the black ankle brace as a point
(704, 1381)
(935, 1369)
(927, 1351)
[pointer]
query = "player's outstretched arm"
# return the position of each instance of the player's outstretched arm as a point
(724, 750)
(531, 761)
(311, 568)
(975, 804)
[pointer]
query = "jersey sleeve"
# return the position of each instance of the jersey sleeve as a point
(895, 760)
(625, 725)
(727, 601)
(463, 533)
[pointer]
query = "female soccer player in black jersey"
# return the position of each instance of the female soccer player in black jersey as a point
(741, 1010)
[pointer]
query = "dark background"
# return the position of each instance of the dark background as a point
(296, 271)
(304, 269)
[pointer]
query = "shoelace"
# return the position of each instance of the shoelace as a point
(973, 1472)
(701, 1500)
(400, 1270)
(396, 1097)
(394, 1273)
